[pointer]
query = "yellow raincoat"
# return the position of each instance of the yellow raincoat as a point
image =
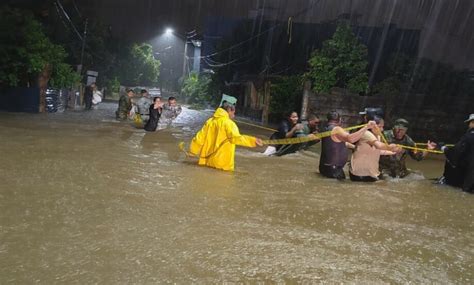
(215, 142)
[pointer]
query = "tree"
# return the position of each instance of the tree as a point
(342, 62)
(196, 88)
(27, 52)
(140, 67)
(28, 57)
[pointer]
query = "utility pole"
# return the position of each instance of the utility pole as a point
(185, 56)
(83, 44)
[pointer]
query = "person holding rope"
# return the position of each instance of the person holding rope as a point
(288, 128)
(364, 166)
(395, 165)
(459, 165)
(215, 142)
(333, 148)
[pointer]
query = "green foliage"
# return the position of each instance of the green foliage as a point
(64, 76)
(26, 51)
(113, 86)
(196, 88)
(286, 95)
(342, 62)
(140, 67)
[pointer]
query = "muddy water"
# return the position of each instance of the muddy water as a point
(85, 199)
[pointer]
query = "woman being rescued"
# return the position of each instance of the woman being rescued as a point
(364, 164)
(215, 142)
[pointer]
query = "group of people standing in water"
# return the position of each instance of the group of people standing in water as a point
(146, 111)
(375, 153)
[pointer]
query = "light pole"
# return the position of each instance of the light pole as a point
(186, 37)
(185, 56)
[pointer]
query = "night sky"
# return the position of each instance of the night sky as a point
(446, 26)
(447, 32)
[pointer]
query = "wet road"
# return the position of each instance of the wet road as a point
(85, 199)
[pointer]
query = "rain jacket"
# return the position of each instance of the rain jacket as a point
(215, 142)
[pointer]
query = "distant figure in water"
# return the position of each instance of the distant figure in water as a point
(143, 104)
(459, 165)
(215, 143)
(125, 105)
(155, 111)
(171, 109)
(333, 148)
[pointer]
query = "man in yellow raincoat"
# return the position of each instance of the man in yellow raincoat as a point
(215, 142)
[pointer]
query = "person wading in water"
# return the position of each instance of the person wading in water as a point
(333, 148)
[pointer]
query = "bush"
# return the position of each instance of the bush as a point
(196, 89)
(342, 62)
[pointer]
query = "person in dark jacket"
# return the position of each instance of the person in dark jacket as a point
(155, 110)
(459, 166)
(88, 96)
(334, 153)
(288, 128)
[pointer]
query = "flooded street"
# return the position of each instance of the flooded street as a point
(86, 199)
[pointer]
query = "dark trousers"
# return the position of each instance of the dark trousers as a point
(332, 171)
(88, 102)
(356, 178)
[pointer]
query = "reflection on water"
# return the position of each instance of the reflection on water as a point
(86, 199)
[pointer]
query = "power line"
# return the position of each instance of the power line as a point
(58, 5)
(69, 19)
(302, 11)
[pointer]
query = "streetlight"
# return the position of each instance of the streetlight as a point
(169, 31)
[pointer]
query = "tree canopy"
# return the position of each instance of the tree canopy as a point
(26, 51)
(140, 67)
(341, 62)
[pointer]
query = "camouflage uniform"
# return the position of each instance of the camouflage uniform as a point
(143, 106)
(171, 112)
(124, 107)
(395, 165)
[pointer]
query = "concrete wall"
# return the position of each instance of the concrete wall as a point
(440, 120)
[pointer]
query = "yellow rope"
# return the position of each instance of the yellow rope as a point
(257, 126)
(419, 149)
(307, 138)
(448, 145)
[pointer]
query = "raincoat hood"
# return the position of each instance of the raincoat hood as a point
(220, 113)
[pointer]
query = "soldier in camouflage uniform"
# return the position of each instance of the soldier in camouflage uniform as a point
(395, 165)
(125, 105)
(171, 110)
(143, 105)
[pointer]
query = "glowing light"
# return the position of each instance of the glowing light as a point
(169, 31)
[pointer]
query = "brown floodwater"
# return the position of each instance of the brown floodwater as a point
(85, 199)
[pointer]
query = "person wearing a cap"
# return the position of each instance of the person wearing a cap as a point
(395, 165)
(215, 143)
(459, 165)
(369, 113)
(333, 148)
(143, 105)
(125, 105)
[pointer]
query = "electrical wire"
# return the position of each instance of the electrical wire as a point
(302, 11)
